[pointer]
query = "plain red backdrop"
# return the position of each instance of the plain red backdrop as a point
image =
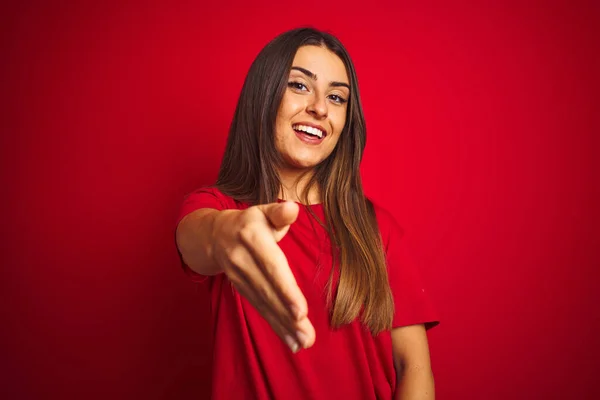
(482, 137)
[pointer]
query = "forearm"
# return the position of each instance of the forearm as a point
(195, 237)
(415, 384)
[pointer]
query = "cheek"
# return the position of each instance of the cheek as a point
(290, 106)
(338, 121)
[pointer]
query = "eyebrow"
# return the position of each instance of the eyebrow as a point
(313, 76)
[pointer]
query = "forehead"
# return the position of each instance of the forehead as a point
(322, 62)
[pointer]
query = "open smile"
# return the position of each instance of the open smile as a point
(309, 134)
(310, 129)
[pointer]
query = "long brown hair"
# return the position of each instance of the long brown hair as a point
(248, 174)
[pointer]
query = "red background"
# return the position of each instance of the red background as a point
(483, 140)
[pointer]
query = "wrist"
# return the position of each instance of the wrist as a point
(220, 220)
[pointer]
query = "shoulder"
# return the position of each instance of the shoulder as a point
(211, 196)
(389, 227)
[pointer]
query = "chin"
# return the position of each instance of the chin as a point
(303, 164)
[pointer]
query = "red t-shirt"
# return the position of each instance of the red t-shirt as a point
(251, 362)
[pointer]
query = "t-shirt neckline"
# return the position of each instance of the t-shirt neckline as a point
(301, 204)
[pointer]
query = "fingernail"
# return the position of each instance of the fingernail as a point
(292, 344)
(302, 338)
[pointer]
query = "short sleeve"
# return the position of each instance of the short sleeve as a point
(412, 302)
(201, 198)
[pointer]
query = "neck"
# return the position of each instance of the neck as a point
(294, 182)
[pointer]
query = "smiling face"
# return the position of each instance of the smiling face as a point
(312, 112)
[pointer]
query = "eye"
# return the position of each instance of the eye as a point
(337, 99)
(297, 86)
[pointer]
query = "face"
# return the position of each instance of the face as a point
(312, 113)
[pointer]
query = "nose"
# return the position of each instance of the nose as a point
(317, 107)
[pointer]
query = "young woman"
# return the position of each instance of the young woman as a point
(289, 246)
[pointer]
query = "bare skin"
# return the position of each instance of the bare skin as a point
(242, 244)
(317, 94)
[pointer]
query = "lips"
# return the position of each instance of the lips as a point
(310, 129)
(308, 138)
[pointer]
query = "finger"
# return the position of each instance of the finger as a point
(245, 290)
(280, 215)
(305, 333)
(244, 267)
(275, 267)
(295, 335)
(301, 338)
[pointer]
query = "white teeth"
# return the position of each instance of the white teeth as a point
(309, 129)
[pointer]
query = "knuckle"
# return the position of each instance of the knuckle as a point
(264, 292)
(249, 232)
(272, 320)
(275, 323)
(269, 270)
(274, 265)
(236, 257)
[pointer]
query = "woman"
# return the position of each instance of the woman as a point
(290, 247)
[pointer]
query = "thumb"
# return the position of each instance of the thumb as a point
(280, 215)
